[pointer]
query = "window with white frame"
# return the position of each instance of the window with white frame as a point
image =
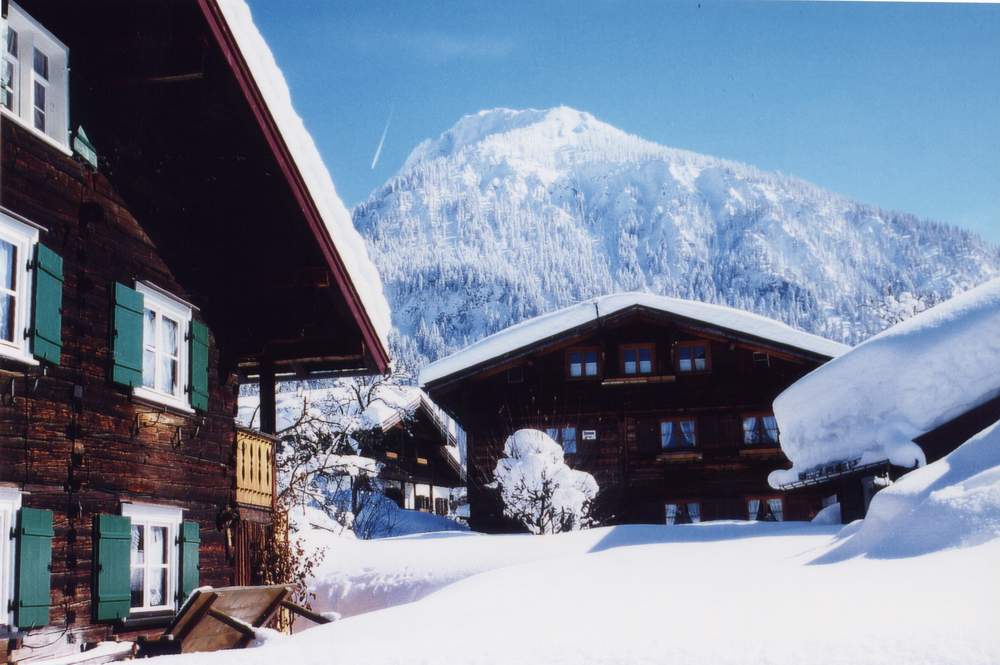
(760, 429)
(766, 509)
(165, 326)
(687, 512)
(678, 433)
(34, 77)
(565, 436)
(10, 502)
(154, 559)
(17, 242)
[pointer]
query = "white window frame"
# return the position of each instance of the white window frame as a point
(24, 238)
(161, 303)
(149, 515)
(10, 503)
(14, 61)
(32, 35)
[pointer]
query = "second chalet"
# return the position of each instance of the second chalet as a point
(666, 402)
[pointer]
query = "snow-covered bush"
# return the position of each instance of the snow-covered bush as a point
(538, 489)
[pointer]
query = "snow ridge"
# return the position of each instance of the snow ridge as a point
(510, 214)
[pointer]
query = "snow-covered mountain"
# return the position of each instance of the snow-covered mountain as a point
(510, 214)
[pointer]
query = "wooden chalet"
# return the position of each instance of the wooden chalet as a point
(167, 231)
(419, 455)
(666, 402)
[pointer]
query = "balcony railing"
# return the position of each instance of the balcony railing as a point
(254, 469)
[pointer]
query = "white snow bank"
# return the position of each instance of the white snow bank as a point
(358, 576)
(870, 403)
(545, 326)
(271, 83)
(952, 503)
(719, 594)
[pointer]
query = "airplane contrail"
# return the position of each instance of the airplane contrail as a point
(381, 141)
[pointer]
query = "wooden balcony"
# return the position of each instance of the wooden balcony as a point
(254, 469)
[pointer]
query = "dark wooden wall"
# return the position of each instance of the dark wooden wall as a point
(414, 438)
(635, 477)
(72, 441)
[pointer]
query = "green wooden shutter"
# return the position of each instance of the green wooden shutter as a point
(46, 333)
(190, 542)
(198, 357)
(112, 548)
(127, 336)
(34, 559)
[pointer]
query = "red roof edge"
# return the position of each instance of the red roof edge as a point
(230, 50)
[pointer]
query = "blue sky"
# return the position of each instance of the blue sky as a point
(892, 104)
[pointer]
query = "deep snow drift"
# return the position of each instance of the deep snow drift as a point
(713, 593)
(952, 503)
(917, 584)
(871, 402)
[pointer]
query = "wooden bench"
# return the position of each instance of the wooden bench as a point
(224, 618)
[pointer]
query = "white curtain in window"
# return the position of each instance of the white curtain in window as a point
(753, 505)
(771, 429)
(694, 512)
(687, 429)
(671, 513)
(750, 430)
(776, 509)
(666, 434)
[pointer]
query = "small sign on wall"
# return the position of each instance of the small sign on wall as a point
(590, 435)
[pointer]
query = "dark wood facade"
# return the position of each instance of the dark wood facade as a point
(617, 416)
(417, 450)
(195, 193)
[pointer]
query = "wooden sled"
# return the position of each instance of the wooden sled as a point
(224, 618)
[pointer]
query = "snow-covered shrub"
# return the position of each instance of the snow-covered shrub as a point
(538, 489)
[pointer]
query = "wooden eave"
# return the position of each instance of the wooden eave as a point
(571, 336)
(269, 128)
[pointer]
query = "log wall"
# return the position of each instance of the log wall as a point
(72, 441)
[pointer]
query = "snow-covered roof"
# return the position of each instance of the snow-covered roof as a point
(274, 90)
(549, 325)
(869, 404)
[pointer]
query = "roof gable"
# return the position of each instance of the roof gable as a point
(549, 327)
(267, 92)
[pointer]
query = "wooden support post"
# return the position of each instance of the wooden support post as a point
(246, 631)
(301, 611)
(268, 407)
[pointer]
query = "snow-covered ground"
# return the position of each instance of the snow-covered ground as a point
(917, 584)
(714, 593)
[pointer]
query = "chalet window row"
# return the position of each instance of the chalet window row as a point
(145, 560)
(758, 509)
(677, 433)
(159, 351)
(635, 360)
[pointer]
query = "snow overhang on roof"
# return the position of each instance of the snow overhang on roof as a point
(872, 402)
(532, 331)
(267, 91)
